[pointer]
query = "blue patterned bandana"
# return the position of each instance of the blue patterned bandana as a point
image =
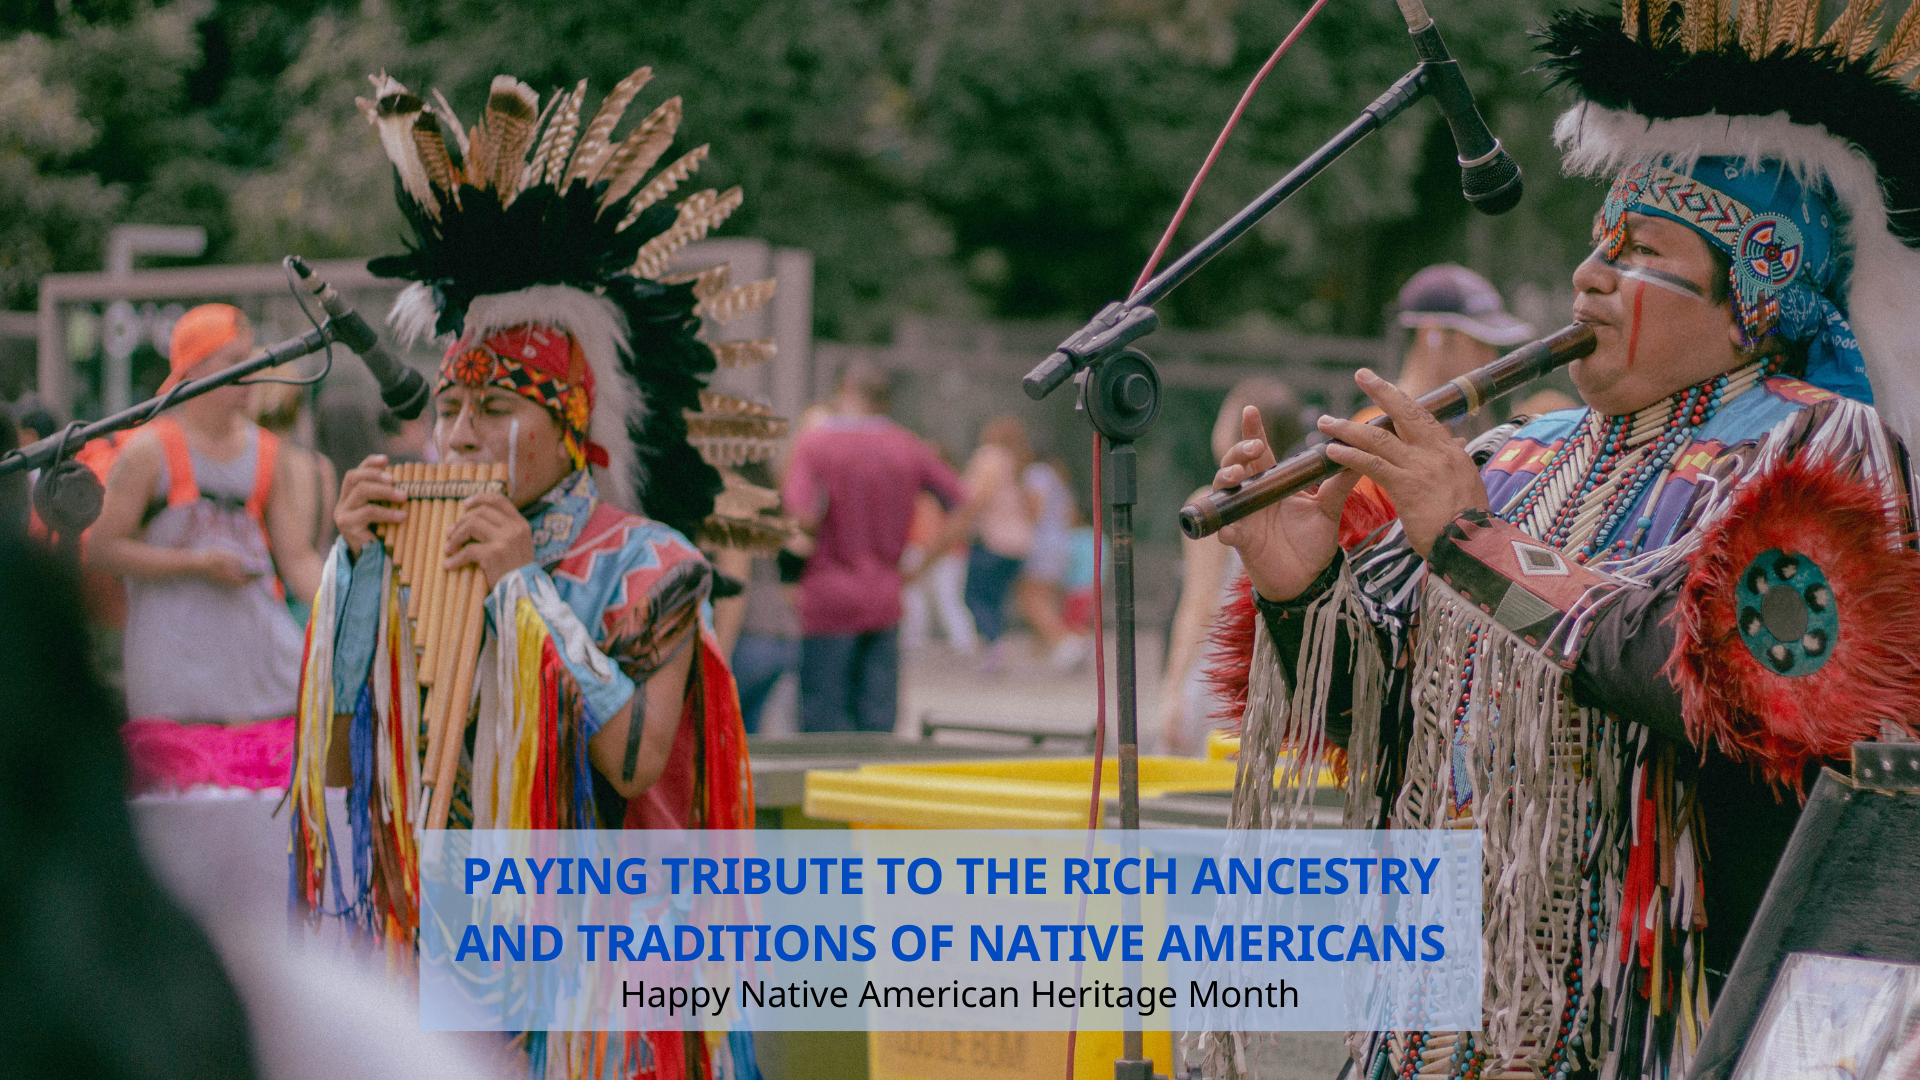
(1781, 239)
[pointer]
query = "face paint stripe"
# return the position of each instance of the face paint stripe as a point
(1670, 282)
(1633, 335)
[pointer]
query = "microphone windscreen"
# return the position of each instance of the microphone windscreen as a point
(1492, 187)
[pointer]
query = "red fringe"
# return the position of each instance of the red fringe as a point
(1229, 660)
(1229, 655)
(1753, 713)
(729, 776)
(543, 814)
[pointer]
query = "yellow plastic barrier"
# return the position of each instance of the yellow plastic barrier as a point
(1022, 793)
(1222, 746)
(1003, 1055)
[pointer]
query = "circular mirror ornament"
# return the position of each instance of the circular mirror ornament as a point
(1788, 617)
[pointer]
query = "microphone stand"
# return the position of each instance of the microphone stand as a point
(1120, 394)
(1122, 322)
(68, 496)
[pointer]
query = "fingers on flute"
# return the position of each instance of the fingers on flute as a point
(477, 525)
(465, 555)
(1379, 442)
(1234, 475)
(1361, 462)
(1252, 453)
(371, 485)
(1250, 425)
(1334, 489)
(1413, 423)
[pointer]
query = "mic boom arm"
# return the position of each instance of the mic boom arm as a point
(1123, 322)
(38, 455)
(401, 387)
(1490, 180)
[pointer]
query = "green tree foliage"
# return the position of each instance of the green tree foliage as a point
(1008, 158)
(49, 210)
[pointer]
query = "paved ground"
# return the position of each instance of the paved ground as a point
(1024, 693)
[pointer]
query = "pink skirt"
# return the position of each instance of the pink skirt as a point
(168, 756)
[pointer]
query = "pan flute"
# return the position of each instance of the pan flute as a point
(444, 611)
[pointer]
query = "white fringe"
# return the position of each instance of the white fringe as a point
(1527, 751)
(1284, 734)
(1285, 729)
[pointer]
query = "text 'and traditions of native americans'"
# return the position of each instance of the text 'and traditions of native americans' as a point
(1014, 930)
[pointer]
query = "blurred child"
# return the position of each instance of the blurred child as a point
(940, 590)
(1039, 591)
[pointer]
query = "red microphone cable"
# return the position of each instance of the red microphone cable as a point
(1099, 605)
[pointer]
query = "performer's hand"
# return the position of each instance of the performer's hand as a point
(490, 534)
(1418, 464)
(1286, 545)
(363, 491)
(223, 567)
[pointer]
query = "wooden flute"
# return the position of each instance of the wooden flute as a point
(1212, 512)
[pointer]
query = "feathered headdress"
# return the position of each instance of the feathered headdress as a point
(530, 222)
(1789, 145)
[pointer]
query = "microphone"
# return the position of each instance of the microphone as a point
(1489, 178)
(401, 388)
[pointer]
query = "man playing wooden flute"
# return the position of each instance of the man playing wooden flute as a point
(1617, 639)
(601, 700)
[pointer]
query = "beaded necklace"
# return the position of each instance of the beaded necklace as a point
(1596, 477)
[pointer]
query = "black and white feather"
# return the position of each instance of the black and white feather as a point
(532, 218)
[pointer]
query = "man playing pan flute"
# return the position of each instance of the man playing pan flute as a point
(1621, 639)
(600, 699)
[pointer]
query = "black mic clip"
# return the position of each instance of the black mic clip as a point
(402, 389)
(1106, 334)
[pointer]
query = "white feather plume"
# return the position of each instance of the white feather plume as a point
(1883, 299)
(414, 314)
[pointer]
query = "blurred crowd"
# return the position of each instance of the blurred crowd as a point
(217, 517)
(895, 545)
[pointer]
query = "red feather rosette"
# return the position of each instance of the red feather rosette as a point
(1732, 690)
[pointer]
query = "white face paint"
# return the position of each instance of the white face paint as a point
(513, 457)
(1659, 278)
(1665, 281)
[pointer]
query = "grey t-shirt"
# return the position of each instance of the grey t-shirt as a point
(201, 651)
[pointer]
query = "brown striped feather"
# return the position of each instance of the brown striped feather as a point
(736, 302)
(593, 144)
(638, 152)
(664, 182)
(739, 354)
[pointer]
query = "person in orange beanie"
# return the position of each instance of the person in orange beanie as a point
(193, 522)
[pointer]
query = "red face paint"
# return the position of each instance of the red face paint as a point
(1633, 334)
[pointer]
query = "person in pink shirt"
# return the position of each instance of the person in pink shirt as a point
(851, 482)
